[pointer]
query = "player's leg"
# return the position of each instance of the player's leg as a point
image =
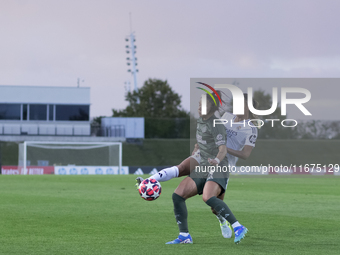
(224, 224)
(212, 189)
(183, 169)
(187, 166)
(186, 189)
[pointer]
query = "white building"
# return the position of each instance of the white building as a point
(128, 127)
(44, 111)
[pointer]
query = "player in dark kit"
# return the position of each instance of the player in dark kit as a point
(240, 143)
(210, 179)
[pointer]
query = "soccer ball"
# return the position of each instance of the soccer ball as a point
(150, 189)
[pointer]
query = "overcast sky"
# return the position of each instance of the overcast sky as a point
(52, 43)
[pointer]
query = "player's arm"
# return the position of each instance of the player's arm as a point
(249, 144)
(219, 134)
(243, 154)
(195, 149)
(222, 152)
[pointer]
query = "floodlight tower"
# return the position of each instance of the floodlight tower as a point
(131, 49)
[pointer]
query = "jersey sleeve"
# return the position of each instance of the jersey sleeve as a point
(251, 137)
(219, 135)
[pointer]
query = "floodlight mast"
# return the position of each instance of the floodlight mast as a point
(133, 60)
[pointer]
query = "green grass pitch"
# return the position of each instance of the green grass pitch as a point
(105, 215)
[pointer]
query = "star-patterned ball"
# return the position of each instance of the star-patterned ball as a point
(150, 189)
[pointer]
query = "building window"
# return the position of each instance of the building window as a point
(24, 112)
(72, 112)
(38, 112)
(50, 112)
(10, 111)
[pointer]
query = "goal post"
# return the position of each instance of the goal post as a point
(77, 154)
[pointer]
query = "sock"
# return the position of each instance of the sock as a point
(236, 224)
(221, 219)
(181, 213)
(222, 209)
(166, 174)
(183, 234)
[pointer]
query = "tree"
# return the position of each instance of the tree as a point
(277, 131)
(267, 131)
(161, 108)
(155, 99)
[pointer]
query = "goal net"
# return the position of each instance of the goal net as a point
(72, 157)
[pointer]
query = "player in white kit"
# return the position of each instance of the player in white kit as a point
(241, 138)
(242, 135)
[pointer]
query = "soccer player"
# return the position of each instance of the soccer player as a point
(241, 140)
(210, 183)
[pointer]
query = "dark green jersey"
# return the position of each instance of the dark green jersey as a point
(209, 138)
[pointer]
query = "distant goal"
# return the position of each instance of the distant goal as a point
(82, 157)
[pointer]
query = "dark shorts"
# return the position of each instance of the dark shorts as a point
(200, 182)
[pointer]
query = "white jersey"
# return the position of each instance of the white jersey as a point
(238, 135)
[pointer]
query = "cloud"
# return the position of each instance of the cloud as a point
(52, 43)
